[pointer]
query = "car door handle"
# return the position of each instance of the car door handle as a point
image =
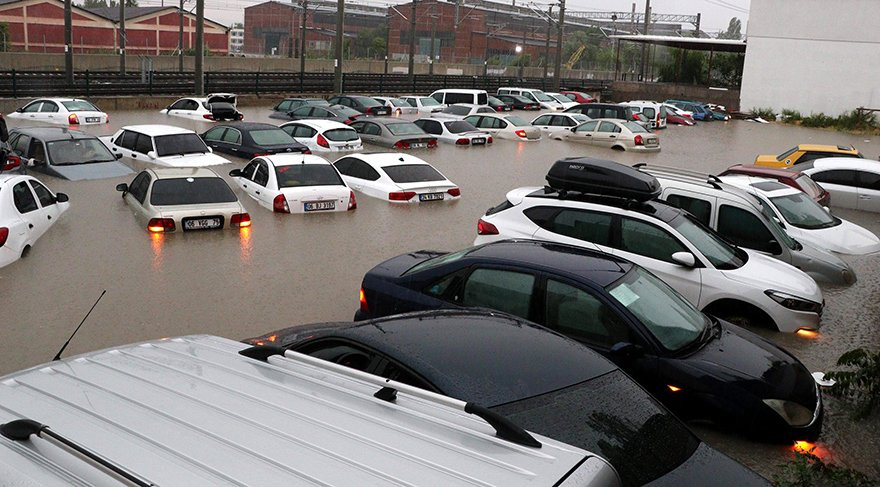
(244, 185)
(612, 136)
(49, 217)
(257, 192)
(134, 155)
(864, 197)
(30, 225)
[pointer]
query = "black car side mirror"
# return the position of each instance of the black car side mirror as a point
(626, 351)
(236, 173)
(20, 110)
(61, 198)
(123, 187)
(774, 247)
(118, 156)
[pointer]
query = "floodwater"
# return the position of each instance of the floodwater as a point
(293, 269)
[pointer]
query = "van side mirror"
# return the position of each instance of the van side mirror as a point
(774, 247)
(61, 198)
(122, 187)
(686, 259)
(236, 173)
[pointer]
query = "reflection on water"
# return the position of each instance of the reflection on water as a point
(156, 242)
(244, 240)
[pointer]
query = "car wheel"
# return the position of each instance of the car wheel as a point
(25, 251)
(741, 314)
(618, 148)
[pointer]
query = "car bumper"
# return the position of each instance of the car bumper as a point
(641, 148)
(790, 321)
(7, 256)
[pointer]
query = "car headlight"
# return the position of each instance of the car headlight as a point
(793, 302)
(794, 414)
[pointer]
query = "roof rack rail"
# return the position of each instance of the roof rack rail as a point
(22, 429)
(618, 201)
(696, 176)
(504, 428)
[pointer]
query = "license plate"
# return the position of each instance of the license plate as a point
(93, 119)
(430, 196)
(652, 141)
(319, 205)
(478, 141)
(383, 112)
(418, 145)
(201, 223)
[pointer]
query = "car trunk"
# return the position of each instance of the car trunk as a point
(223, 111)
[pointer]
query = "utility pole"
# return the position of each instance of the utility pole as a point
(455, 31)
(642, 71)
(433, 21)
(697, 31)
(547, 40)
(122, 36)
(68, 42)
(200, 47)
(412, 43)
(387, 41)
(302, 38)
(560, 30)
(180, 40)
(340, 25)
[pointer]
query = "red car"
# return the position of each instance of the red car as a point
(789, 177)
(578, 96)
(678, 119)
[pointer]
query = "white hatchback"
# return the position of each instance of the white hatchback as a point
(456, 132)
(214, 107)
(27, 210)
(324, 135)
(165, 145)
(396, 177)
(853, 182)
(552, 124)
(295, 183)
(67, 111)
(425, 104)
(505, 126)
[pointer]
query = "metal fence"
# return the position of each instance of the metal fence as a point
(23, 84)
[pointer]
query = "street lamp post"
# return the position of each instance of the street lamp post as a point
(518, 49)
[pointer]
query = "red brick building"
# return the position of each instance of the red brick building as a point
(38, 26)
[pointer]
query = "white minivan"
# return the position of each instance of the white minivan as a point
(535, 95)
(654, 112)
(453, 96)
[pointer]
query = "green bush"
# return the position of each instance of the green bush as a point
(808, 469)
(791, 115)
(765, 113)
(861, 384)
(818, 120)
(856, 120)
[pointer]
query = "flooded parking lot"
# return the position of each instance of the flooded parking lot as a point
(293, 269)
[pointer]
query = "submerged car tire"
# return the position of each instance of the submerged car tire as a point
(741, 314)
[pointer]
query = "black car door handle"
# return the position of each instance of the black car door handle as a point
(257, 192)
(612, 136)
(49, 217)
(30, 225)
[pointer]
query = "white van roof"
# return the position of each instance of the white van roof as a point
(457, 90)
(195, 411)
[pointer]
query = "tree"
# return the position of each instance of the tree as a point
(734, 30)
(4, 37)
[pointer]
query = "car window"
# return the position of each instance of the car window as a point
(436, 96)
(248, 171)
(341, 135)
(180, 144)
(23, 198)
(456, 109)
(139, 185)
(459, 126)
(305, 131)
(580, 315)
(261, 176)
(412, 173)
(143, 144)
(589, 226)
(361, 170)
(869, 180)
(648, 240)
(635, 128)
(542, 120)
(587, 127)
(474, 120)
(507, 291)
(179, 105)
(801, 211)
(37, 151)
(392, 370)
(404, 128)
(284, 105)
(649, 112)
(371, 129)
(33, 107)
(49, 107)
(593, 112)
(303, 111)
(608, 127)
(232, 136)
(22, 145)
(215, 133)
(128, 139)
(745, 229)
(306, 175)
(78, 151)
(430, 126)
(191, 191)
(43, 194)
(273, 136)
(843, 177)
(79, 105)
(701, 209)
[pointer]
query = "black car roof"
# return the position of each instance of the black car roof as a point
(654, 208)
(53, 133)
(487, 357)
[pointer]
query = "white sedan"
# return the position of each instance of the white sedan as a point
(563, 100)
(553, 123)
(27, 210)
(294, 183)
(853, 182)
(456, 132)
(459, 111)
(324, 135)
(165, 145)
(398, 106)
(214, 107)
(505, 126)
(166, 200)
(396, 177)
(425, 104)
(67, 111)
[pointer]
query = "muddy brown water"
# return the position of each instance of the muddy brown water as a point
(294, 269)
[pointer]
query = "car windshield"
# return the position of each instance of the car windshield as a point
(413, 173)
(580, 118)
(668, 316)
(495, 101)
(77, 151)
(801, 211)
(808, 185)
(191, 191)
(273, 136)
(79, 106)
(427, 101)
(541, 96)
(167, 145)
(341, 135)
(459, 126)
(641, 440)
(770, 219)
(404, 128)
(367, 102)
(399, 102)
(635, 128)
(439, 260)
(296, 175)
(343, 111)
(560, 98)
(721, 254)
(517, 121)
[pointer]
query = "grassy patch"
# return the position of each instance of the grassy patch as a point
(791, 115)
(808, 469)
(860, 383)
(853, 121)
(765, 113)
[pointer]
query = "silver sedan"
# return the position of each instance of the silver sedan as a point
(394, 133)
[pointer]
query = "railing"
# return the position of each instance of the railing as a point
(23, 84)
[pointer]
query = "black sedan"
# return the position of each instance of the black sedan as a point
(63, 153)
(498, 105)
(700, 367)
(337, 113)
(284, 107)
(363, 104)
(538, 379)
(248, 140)
(519, 102)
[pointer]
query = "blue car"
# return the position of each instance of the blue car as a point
(700, 112)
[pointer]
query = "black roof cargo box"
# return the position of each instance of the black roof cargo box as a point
(598, 176)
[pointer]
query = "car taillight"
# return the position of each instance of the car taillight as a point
(363, 300)
(11, 162)
(108, 119)
(240, 220)
(454, 192)
(401, 144)
(521, 133)
(160, 225)
(401, 195)
(306, 151)
(72, 119)
(500, 109)
(462, 141)
(322, 141)
(352, 201)
(279, 204)
(261, 154)
(486, 228)
(208, 116)
(432, 143)
(489, 140)
(4, 234)
(638, 140)
(241, 116)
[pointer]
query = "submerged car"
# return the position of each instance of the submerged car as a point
(65, 111)
(27, 210)
(212, 108)
(65, 153)
(363, 104)
(854, 183)
(802, 153)
(284, 107)
(324, 135)
(393, 133)
(336, 113)
(165, 145)
(790, 177)
(505, 127)
(456, 132)
(398, 106)
(616, 134)
(249, 140)
(396, 177)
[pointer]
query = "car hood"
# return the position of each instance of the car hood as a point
(94, 170)
(764, 272)
(846, 238)
(822, 264)
(707, 463)
(191, 160)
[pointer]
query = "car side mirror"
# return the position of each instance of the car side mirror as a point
(118, 156)
(33, 161)
(828, 210)
(61, 198)
(210, 150)
(684, 258)
(626, 350)
(152, 154)
(573, 129)
(236, 173)
(122, 187)
(20, 110)
(774, 247)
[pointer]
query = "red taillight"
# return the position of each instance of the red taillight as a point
(4, 234)
(489, 140)
(638, 140)
(401, 195)
(306, 151)
(322, 141)
(208, 116)
(432, 143)
(500, 109)
(72, 119)
(486, 228)
(363, 300)
(279, 204)
(12, 161)
(352, 201)
(454, 192)
(240, 220)
(401, 144)
(462, 141)
(521, 133)
(160, 225)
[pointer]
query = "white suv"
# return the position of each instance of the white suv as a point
(738, 285)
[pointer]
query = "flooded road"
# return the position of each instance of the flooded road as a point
(293, 269)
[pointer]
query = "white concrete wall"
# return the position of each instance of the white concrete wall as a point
(812, 56)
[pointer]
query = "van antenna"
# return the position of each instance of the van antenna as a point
(58, 355)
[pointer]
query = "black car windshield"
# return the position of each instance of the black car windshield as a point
(801, 211)
(413, 173)
(79, 106)
(180, 144)
(641, 440)
(307, 175)
(721, 254)
(404, 128)
(668, 316)
(460, 126)
(77, 151)
(191, 191)
(341, 135)
(274, 136)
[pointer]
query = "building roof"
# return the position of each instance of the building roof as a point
(112, 13)
(692, 43)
